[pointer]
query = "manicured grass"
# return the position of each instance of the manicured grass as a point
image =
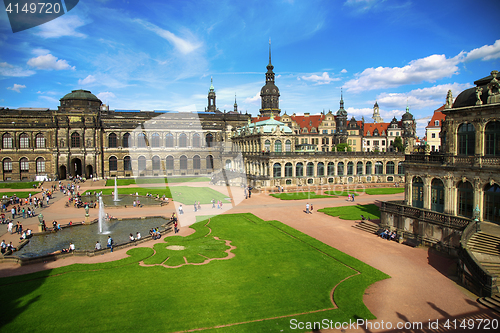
(18, 185)
(19, 194)
(276, 271)
(299, 196)
(353, 212)
(133, 181)
(389, 190)
(139, 190)
(344, 193)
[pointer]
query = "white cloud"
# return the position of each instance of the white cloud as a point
(358, 113)
(105, 96)
(182, 45)
(49, 62)
(486, 52)
(17, 87)
(253, 100)
(343, 71)
(61, 26)
(428, 69)
(11, 70)
(323, 79)
(88, 80)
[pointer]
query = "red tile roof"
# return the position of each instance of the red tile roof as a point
(438, 115)
(372, 126)
(309, 122)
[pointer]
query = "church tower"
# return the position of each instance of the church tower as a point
(341, 122)
(211, 97)
(376, 114)
(270, 94)
(235, 105)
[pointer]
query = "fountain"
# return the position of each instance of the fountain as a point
(116, 192)
(103, 230)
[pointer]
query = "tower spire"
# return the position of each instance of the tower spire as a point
(270, 51)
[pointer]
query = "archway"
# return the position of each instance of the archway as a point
(89, 171)
(76, 167)
(62, 172)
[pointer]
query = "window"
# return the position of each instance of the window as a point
(277, 170)
(437, 195)
(141, 163)
(24, 141)
(310, 169)
(141, 140)
(379, 168)
(197, 162)
(183, 140)
(401, 169)
(368, 142)
(288, 146)
(383, 142)
(126, 140)
(417, 192)
(321, 169)
(7, 165)
(288, 170)
(433, 135)
(465, 199)
(325, 132)
(359, 168)
(24, 165)
(492, 203)
(127, 163)
(267, 145)
(40, 141)
(183, 162)
(492, 136)
(196, 140)
(7, 142)
(299, 170)
(169, 140)
(155, 140)
(210, 162)
(112, 141)
(368, 168)
(340, 168)
(169, 165)
(330, 169)
(397, 133)
(113, 163)
(75, 140)
(156, 163)
(466, 139)
(40, 165)
(389, 168)
(436, 122)
(277, 146)
(350, 168)
(209, 138)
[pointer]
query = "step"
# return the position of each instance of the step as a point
(496, 297)
(489, 303)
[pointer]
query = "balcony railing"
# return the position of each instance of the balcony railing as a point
(326, 153)
(444, 159)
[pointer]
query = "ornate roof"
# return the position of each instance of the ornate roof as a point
(81, 94)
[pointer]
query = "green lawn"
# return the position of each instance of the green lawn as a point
(299, 196)
(138, 181)
(344, 193)
(19, 194)
(18, 185)
(353, 212)
(389, 190)
(277, 271)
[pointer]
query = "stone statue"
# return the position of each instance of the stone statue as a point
(479, 92)
(449, 100)
(494, 89)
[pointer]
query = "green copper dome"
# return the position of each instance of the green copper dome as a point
(81, 95)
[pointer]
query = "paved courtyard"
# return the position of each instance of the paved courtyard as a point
(421, 287)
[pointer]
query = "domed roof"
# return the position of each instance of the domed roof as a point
(81, 95)
(468, 97)
(269, 89)
(407, 115)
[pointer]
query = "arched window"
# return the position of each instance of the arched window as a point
(359, 168)
(267, 146)
(141, 140)
(40, 141)
(288, 170)
(310, 169)
(183, 162)
(210, 162)
(7, 165)
(277, 146)
(401, 168)
(379, 168)
(7, 142)
(113, 163)
(288, 146)
(196, 140)
(492, 203)
(24, 165)
(368, 168)
(389, 168)
(169, 140)
(320, 169)
(350, 168)
(340, 168)
(417, 192)
(155, 140)
(183, 140)
(127, 163)
(277, 170)
(156, 163)
(141, 163)
(40, 165)
(437, 195)
(126, 140)
(299, 170)
(466, 139)
(330, 169)
(465, 199)
(209, 139)
(196, 162)
(24, 141)
(169, 164)
(75, 140)
(492, 136)
(228, 165)
(112, 141)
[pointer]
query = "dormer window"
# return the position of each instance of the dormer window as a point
(368, 133)
(436, 123)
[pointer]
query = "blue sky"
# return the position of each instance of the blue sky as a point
(160, 55)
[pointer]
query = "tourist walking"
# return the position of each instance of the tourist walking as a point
(307, 208)
(9, 227)
(311, 211)
(110, 243)
(181, 211)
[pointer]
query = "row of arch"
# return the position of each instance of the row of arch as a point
(24, 165)
(156, 163)
(154, 140)
(466, 139)
(24, 141)
(277, 146)
(464, 199)
(340, 169)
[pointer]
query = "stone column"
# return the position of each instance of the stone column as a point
(408, 189)
(478, 196)
(427, 192)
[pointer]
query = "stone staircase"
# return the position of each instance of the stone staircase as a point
(367, 226)
(486, 248)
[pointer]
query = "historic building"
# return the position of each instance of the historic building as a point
(433, 130)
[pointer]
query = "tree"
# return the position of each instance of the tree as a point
(343, 147)
(398, 144)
